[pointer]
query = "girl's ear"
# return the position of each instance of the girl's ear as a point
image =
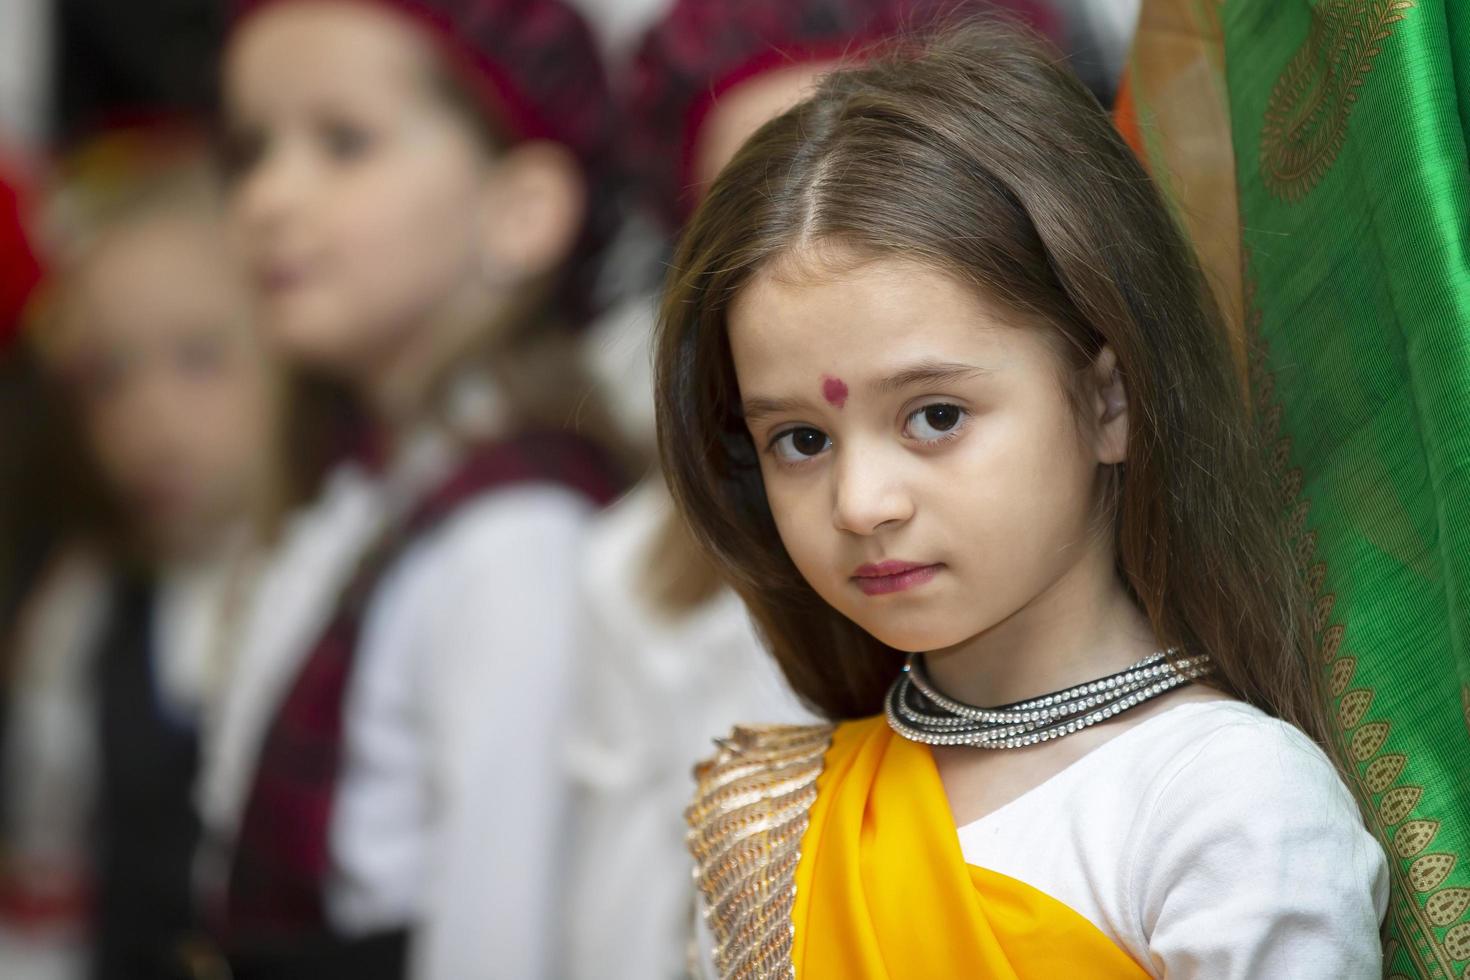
(532, 212)
(1110, 408)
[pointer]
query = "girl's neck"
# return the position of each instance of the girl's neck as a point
(1083, 626)
(223, 541)
(401, 384)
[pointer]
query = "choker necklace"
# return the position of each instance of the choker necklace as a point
(921, 713)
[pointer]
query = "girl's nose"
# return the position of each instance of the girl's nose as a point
(870, 492)
(269, 195)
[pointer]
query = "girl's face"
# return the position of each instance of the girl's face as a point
(927, 471)
(358, 187)
(176, 396)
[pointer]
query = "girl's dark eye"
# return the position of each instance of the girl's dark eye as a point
(101, 376)
(796, 445)
(200, 356)
(241, 151)
(932, 422)
(808, 442)
(942, 417)
(345, 142)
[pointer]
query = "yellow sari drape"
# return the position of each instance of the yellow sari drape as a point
(883, 890)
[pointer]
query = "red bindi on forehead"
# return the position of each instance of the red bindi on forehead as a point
(834, 390)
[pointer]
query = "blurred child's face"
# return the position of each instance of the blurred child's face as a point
(927, 471)
(358, 184)
(175, 395)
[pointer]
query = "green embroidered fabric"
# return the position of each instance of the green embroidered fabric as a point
(1349, 122)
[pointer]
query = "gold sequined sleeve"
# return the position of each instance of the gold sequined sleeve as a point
(745, 828)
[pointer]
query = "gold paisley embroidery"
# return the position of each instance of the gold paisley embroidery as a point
(1354, 705)
(1397, 803)
(1426, 954)
(1307, 115)
(1383, 771)
(1457, 941)
(1429, 871)
(1316, 577)
(1322, 610)
(1342, 676)
(1296, 524)
(1447, 905)
(1279, 458)
(1306, 546)
(1368, 740)
(1331, 641)
(745, 828)
(1291, 487)
(1414, 836)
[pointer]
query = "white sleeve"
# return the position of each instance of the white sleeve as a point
(1274, 877)
(702, 956)
(495, 703)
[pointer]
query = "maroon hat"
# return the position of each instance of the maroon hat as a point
(703, 48)
(533, 65)
(20, 270)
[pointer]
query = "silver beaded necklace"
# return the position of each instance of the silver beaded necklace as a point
(920, 712)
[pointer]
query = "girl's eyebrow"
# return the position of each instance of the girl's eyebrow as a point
(922, 372)
(930, 373)
(755, 409)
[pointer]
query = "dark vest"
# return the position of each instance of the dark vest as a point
(147, 825)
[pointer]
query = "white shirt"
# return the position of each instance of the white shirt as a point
(652, 689)
(449, 811)
(1209, 841)
(26, 50)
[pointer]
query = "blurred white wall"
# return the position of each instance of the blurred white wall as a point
(1110, 23)
(618, 22)
(25, 72)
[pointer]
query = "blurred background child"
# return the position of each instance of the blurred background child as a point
(419, 190)
(144, 336)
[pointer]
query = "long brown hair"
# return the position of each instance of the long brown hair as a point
(980, 155)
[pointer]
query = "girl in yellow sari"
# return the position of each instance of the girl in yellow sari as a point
(941, 388)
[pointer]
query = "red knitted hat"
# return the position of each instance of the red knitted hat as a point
(534, 66)
(702, 48)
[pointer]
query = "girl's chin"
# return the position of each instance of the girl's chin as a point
(324, 344)
(912, 638)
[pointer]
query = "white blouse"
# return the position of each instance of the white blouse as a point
(1209, 841)
(651, 687)
(451, 806)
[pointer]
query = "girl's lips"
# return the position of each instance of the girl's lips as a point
(280, 279)
(893, 576)
(285, 275)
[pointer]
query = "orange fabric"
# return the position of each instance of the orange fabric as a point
(883, 891)
(1125, 115)
(1173, 110)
